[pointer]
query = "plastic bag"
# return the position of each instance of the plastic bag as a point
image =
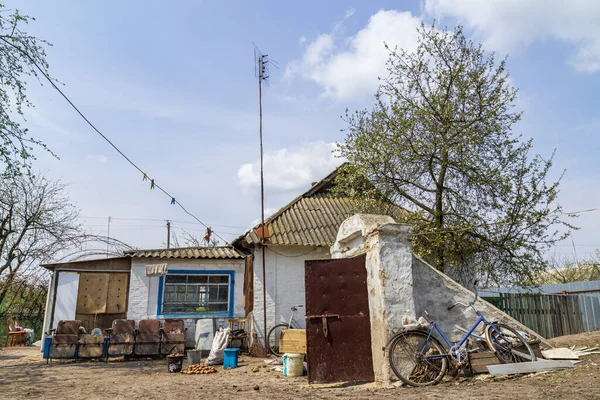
(219, 344)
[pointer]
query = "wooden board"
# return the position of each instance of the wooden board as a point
(528, 367)
(116, 302)
(92, 293)
(480, 360)
(561, 353)
(292, 341)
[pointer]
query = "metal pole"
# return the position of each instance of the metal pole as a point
(108, 236)
(262, 202)
(168, 234)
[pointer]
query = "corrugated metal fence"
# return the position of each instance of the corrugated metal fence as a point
(551, 310)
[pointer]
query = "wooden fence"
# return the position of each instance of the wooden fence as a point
(550, 315)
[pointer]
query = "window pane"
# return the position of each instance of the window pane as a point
(213, 292)
(192, 294)
(218, 307)
(197, 279)
(175, 279)
(219, 279)
(223, 293)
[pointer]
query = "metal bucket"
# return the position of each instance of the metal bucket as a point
(174, 363)
(194, 356)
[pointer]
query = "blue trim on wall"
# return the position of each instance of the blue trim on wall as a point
(161, 284)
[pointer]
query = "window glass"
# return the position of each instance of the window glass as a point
(196, 294)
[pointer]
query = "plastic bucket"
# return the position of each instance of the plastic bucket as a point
(174, 363)
(293, 364)
(194, 356)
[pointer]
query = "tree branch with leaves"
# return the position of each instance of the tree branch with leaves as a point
(439, 142)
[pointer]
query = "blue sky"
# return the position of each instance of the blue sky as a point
(173, 85)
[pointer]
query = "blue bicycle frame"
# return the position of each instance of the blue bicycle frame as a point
(455, 346)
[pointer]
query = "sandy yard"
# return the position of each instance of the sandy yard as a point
(24, 374)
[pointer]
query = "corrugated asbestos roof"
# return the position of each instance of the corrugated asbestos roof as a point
(312, 219)
(188, 252)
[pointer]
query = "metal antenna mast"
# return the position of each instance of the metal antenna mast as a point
(261, 63)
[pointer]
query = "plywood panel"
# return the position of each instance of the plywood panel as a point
(117, 293)
(93, 293)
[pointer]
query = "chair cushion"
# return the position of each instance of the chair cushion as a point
(174, 326)
(149, 326)
(123, 326)
(68, 327)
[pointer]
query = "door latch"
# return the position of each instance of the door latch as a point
(324, 318)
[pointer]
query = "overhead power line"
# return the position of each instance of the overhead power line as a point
(163, 220)
(153, 184)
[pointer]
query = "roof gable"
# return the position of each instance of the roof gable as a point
(311, 219)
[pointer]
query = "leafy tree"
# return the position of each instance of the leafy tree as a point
(439, 143)
(20, 56)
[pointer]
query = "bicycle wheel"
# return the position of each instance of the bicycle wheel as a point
(417, 358)
(508, 345)
(273, 338)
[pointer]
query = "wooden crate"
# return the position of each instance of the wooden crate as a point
(480, 360)
(292, 341)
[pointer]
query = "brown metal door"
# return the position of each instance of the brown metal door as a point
(338, 328)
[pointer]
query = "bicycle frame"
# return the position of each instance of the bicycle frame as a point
(450, 344)
(457, 345)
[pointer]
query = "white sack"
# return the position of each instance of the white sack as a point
(219, 345)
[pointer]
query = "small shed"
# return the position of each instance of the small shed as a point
(96, 292)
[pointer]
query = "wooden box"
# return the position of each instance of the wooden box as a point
(480, 360)
(292, 341)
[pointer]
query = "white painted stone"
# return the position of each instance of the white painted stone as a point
(350, 240)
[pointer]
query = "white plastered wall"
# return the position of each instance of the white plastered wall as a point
(285, 283)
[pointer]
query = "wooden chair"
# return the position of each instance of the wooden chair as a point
(238, 332)
(147, 338)
(65, 339)
(14, 336)
(173, 337)
(121, 338)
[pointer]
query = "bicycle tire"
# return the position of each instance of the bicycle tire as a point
(273, 338)
(511, 348)
(422, 372)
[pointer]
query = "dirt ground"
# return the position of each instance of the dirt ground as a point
(24, 374)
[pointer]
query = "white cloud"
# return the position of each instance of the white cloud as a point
(351, 69)
(292, 169)
(506, 25)
(302, 40)
(97, 158)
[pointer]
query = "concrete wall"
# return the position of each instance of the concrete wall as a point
(285, 283)
(143, 290)
(400, 284)
(434, 292)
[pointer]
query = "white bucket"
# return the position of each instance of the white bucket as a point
(293, 364)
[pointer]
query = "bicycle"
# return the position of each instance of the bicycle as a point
(275, 332)
(419, 359)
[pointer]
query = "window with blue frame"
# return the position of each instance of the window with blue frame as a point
(196, 294)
